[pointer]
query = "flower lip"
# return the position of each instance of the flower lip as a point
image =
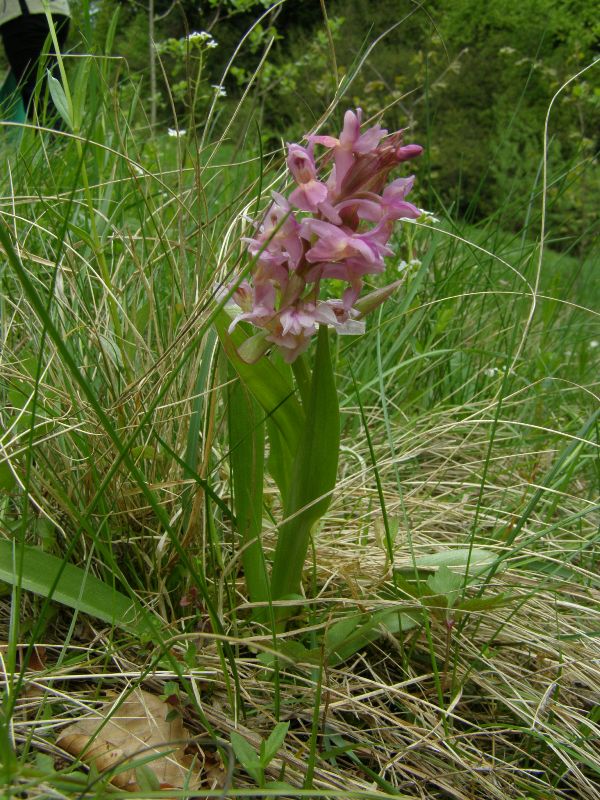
(301, 163)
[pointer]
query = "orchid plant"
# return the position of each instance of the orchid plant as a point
(335, 224)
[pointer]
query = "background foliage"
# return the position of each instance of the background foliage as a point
(482, 75)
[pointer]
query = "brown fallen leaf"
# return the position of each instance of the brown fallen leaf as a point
(135, 728)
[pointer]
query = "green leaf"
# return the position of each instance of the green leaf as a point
(274, 742)
(340, 632)
(292, 653)
(280, 786)
(254, 347)
(369, 302)
(272, 388)
(38, 572)
(59, 99)
(8, 758)
(44, 763)
(446, 583)
(80, 91)
(146, 778)
(483, 603)
(351, 634)
(313, 475)
(246, 456)
(280, 460)
(247, 756)
(143, 451)
(478, 560)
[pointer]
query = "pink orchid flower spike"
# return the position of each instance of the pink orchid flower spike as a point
(335, 226)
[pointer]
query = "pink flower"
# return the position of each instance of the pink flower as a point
(278, 239)
(304, 317)
(350, 143)
(408, 151)
(393, 202)
(262, 308)
(310, 191)
(338, 243)
(297, 324)
(343, 235)
(391, 205)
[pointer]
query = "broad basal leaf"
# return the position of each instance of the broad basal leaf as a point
(313, 474)
(38, 572)
(273, 389)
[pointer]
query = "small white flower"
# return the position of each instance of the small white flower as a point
(491, 371)
(594, 343)
(414, 262)
(427, 216)
(176, 133)
(402, 266)
(202, 36)
(220, 90)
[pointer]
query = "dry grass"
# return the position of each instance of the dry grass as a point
(501, 704)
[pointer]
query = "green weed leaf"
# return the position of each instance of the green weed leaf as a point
(351, 634)
(247, 756)
(446, 583)
(146, 779)
(59, 98)
(7, 479)
(273, 744)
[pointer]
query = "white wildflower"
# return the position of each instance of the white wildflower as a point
(177, 133)
(427, 216)
(594, 343)
(491, 371)
(220, 90)
(202, 36)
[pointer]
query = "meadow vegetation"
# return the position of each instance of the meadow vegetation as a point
(445, 643)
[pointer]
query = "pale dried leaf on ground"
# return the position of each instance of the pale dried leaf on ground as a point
(137, 727)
